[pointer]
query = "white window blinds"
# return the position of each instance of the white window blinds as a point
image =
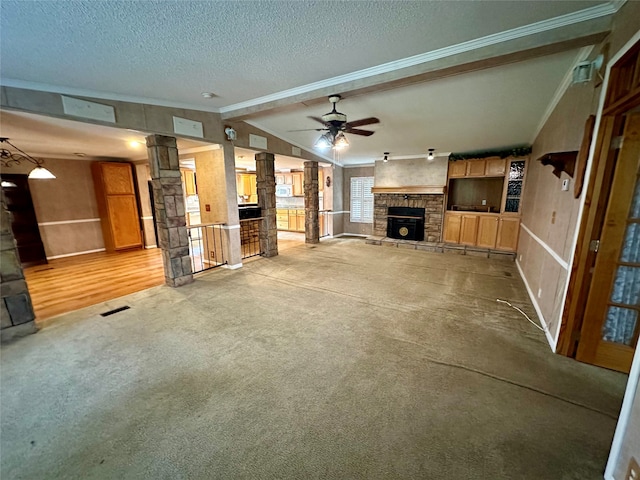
(361, 199)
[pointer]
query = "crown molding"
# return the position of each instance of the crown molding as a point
(573, 18)
(81, 92)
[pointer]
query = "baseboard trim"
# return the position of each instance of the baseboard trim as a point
(77, 253)
(151, 246)
(345, 234)
(552, 342)
(233, 267)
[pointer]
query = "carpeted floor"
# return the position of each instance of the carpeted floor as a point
(339, 361)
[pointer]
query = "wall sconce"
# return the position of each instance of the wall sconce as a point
(231, 133)
(9, 159)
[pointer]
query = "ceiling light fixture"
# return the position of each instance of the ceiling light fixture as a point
(325, 141)
(431, 155)
(9, 159)
(135, 144)
(208, 94)
(386, 157)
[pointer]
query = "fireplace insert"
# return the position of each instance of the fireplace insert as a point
(405, 223)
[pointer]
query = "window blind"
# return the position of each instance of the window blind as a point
(361, 200)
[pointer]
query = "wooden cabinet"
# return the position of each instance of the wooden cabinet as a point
(282, 219)
(476, 168)
(495, 167)
(468, 229)
(452, 228)
(320, 179)
(490, 167)
(280, 179)
(298, 181)
(487, 231)
(246, 185)
(458, 168)
(189, 181)
(508, 231)
(117, 204)
(300, 215)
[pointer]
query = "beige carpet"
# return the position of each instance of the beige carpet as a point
(339, 361)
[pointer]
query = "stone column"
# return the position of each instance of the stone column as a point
(311, 203)
(16, 311)
(169, 208)
(265, 172)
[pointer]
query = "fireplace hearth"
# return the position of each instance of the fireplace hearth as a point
(405, 223)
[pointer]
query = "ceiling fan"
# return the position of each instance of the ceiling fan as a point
(336, 125)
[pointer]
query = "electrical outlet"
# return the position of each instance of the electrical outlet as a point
(520, 258)
(633, 472)
(565, 184)
(539, 292)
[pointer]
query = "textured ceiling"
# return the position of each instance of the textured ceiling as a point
(239, 50)
(168, 52)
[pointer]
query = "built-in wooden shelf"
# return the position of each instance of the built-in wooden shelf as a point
(412, 189)
(561, 161)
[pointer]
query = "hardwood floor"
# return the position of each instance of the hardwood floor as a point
(67, 284)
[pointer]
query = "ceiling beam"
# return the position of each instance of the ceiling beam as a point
(455, 61)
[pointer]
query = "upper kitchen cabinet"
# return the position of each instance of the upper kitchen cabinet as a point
(117, 204)
(489, 167)
(188, 181)
(298, 182)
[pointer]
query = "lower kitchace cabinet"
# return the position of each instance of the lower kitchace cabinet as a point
(493, 231)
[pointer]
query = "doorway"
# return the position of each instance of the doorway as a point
(603, 309)
(23, 219)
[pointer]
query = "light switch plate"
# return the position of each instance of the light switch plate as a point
(565, 184)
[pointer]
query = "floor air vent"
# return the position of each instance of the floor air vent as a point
(115, 310)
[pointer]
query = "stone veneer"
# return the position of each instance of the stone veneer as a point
(311, 203)
(168, 199)
(432, 204)
(16, 311)
(266, 186)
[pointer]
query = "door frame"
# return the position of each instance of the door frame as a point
(595, 198)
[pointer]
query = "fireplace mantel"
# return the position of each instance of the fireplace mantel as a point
(412, 189)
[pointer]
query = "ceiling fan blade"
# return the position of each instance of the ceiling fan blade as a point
(357, 131)
(318, 119)
(362, 122)
(308, 130)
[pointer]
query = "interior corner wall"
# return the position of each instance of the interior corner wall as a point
(66, 208)
(550, 216)
(337, 214)
(212, 188)
(353, 227)
(143, 176)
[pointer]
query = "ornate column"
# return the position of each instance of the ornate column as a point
(169, 208)
(311, 203)
(265, 172)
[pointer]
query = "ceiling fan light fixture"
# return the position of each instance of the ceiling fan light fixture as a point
(341, 141)
(324, 141)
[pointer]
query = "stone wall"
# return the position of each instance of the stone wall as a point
(16, 312)
(432, 204)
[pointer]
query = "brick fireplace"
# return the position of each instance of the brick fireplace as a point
(433, 205)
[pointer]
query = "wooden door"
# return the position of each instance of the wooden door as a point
(508, 230)
(24, 224)
(476, 168)
(610, 328)
(123, 216)
(452, 228)
(469, 229)
(487, 231)
(495, 167)
(458, 168)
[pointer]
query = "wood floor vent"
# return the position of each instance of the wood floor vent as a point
(115, 310)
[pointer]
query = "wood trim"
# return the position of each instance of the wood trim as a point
(415, 189)
(583, 155)
(579, 277)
